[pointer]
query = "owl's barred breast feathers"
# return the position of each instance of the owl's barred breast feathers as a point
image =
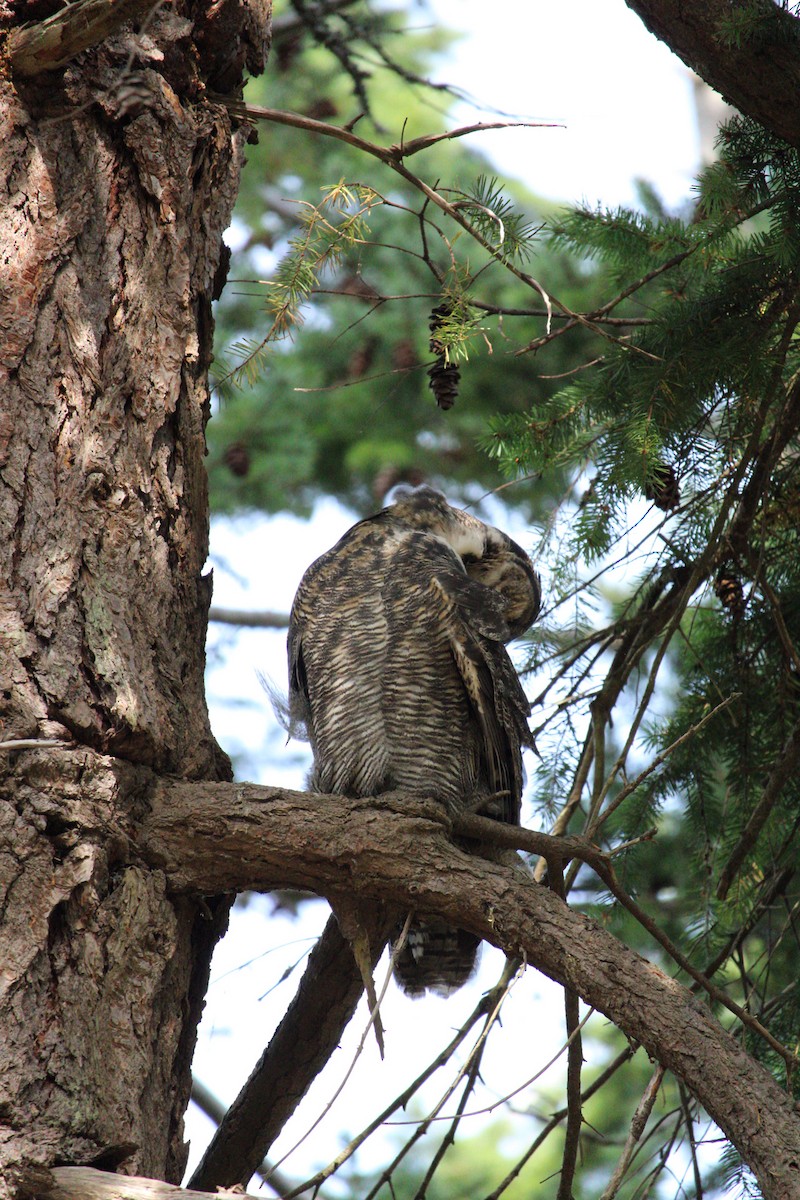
(399, 676)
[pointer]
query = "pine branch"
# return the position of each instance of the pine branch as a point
(393, 157)
(785, 769)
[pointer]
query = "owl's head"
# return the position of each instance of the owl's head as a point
(489, 556)
(506, 569)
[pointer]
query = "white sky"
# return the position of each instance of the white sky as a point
(627, 105)
(625, 100)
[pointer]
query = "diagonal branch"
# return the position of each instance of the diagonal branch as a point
(210, 837)
(640, 1118)
(213, 1108)
(307, 1036)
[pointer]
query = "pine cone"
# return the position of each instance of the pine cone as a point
(444, 376)
(663, 488)
(444, 380)
(728, 588)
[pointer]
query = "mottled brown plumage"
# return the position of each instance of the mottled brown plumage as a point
(399, 675)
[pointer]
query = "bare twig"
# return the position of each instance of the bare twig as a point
(688, 1121)
(447, 1141)
(640, 1117)
(422, 1127)
(250, 620)
(623, 1057)
(485, 1006)
(404, 149)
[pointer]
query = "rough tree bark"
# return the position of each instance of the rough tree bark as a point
(117, 179)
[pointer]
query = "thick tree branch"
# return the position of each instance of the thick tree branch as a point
(85, 1183)
(51, 44)
(309, 1033)
(209, 838)
(213, 1108)
(751, 56)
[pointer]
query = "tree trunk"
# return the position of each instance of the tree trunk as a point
(117, 180)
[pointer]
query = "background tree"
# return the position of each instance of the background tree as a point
(344, 409)
(122, 832)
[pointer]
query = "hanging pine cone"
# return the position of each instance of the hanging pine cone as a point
(728, 588)
(444, 376)
(444, 380)
(663, 488)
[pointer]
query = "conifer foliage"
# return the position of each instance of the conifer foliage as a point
(682, 439)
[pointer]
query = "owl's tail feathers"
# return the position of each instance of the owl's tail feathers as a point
(287, 714)
(352, 926)
(436, 957)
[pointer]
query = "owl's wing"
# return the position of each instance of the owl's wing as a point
(337, 647)
(477, 631)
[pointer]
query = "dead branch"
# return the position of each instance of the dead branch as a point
(310, 1031)
(52, 43)
(85, 1183)
(249, 620)
(640, 1117)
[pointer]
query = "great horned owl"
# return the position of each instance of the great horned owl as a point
(398, 671)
